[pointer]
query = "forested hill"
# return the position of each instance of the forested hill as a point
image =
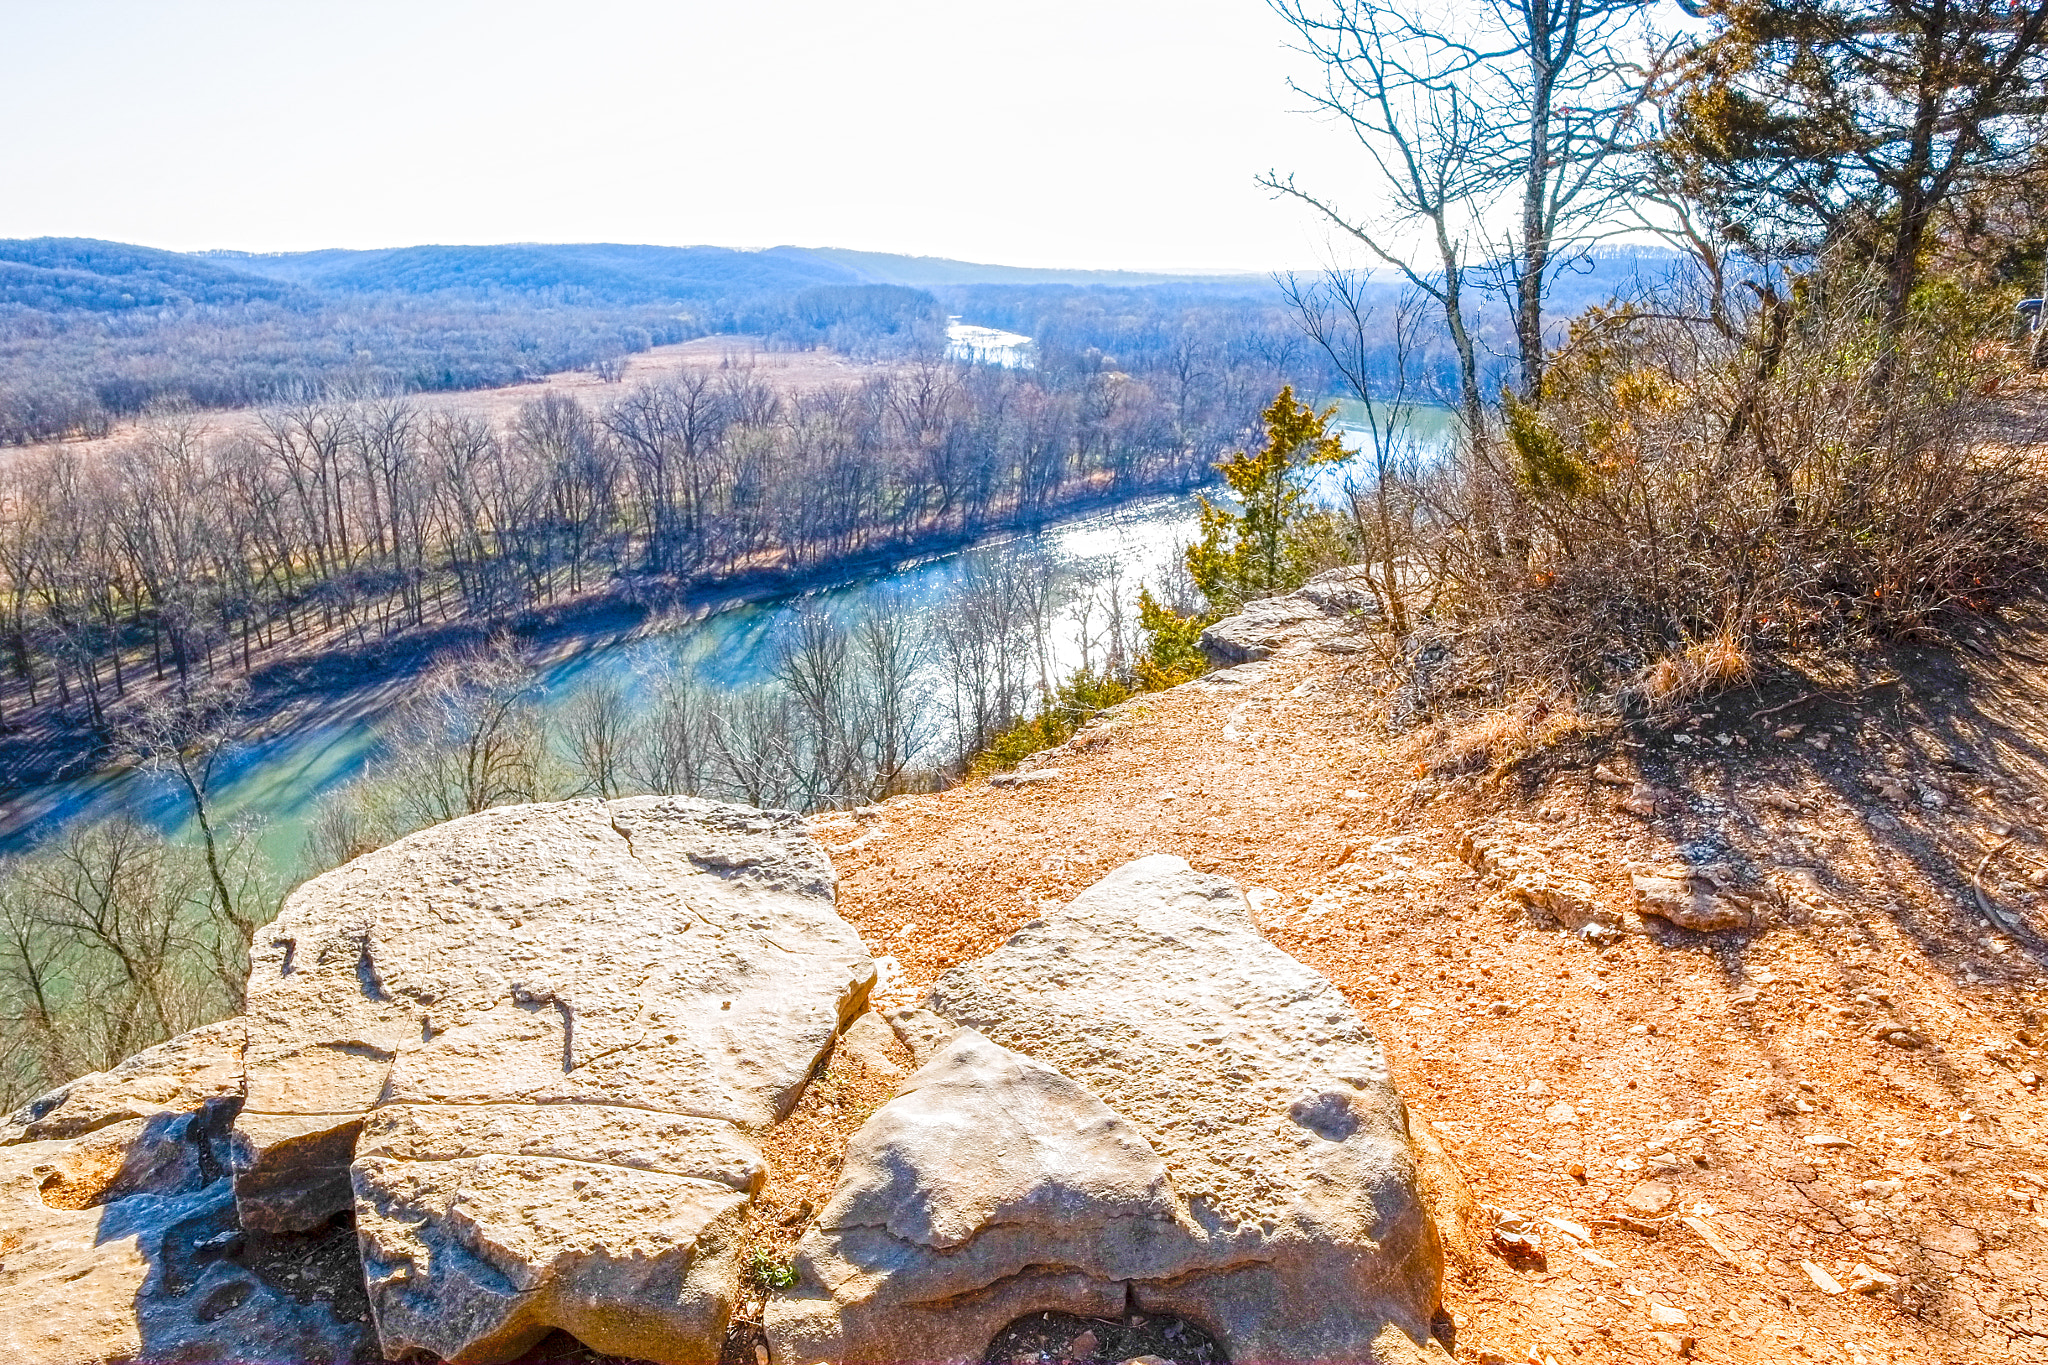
(63, 274)
(643, 274)
(591, 272)
(93, 331)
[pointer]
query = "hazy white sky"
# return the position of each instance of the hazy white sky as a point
(1059, 132)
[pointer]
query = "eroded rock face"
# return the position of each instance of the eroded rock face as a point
(525, 1047)
(482, 1231)
(1146, 1105)
(118, 1234)
(508, 1069)
(1322, 613)
(174, 1077)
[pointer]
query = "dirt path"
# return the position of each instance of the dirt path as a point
(1706, 1131)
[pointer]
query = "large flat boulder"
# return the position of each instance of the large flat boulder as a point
(656, 950)
(499, 1078)
(1146, 1106)
(525, 1049)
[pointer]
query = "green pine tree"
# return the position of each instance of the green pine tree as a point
(1258, 551)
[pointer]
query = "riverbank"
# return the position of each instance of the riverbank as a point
(349, 685)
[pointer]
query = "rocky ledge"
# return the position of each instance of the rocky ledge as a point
(1324, 613)
(1135, 1105)
(508, 1075)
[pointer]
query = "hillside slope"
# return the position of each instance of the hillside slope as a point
(78, 274)
(1823, 1136)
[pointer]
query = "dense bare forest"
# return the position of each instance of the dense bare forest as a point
(347, 520)
(95, 332)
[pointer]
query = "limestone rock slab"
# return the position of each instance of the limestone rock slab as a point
(1146, 1105)
(676, 954)
(120, 1243)
(1703, 898)
(174, 1077)
(1321, 613)
(617, 1225)
(526, 1047)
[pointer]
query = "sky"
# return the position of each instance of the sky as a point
(1063, 133)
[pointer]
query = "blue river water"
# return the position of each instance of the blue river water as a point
(282, 778)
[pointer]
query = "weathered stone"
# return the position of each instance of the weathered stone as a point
(1453, 1207)
(481, 1233)
(118, 1243)
(1571, 902)
(174, 1077)
(1547, 895)
(1034, 778)
(871, 1040)
(1322, 613)
(526, 1047)
(1822, 1280)
(1704, 898)
(1148, 1105)
(1650, 1199)
(920, 1031)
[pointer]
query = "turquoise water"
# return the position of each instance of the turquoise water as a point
(283, 778)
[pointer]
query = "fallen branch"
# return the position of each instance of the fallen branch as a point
(1991, 912)
(1782, 706)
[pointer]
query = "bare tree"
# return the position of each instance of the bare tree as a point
(752, 749)
(1377, 364)
(185, 731)
(471, 738)
(1517, 114)
(596, 727)
(121, 897)
(674, 752)
(1574, 82)
(36, 1047)
(812, 669)
(889, 651)
(1406, 91)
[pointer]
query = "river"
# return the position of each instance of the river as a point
(281, 779)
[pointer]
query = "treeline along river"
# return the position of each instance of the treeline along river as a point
(281, 541)
(1092, 566)
(201, 548)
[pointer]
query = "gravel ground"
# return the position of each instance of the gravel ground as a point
(1823, 1137)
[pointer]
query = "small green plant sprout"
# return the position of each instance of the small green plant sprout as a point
(769, 1271)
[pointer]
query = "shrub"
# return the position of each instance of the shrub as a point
(1680, 499)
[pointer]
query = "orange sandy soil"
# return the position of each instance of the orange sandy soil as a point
(1744, 1070)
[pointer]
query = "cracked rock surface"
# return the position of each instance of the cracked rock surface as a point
(118, 1235)
(1323, 613)
(1145, 1106)
(517, 1061)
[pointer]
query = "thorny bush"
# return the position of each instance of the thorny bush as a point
(1683, 495)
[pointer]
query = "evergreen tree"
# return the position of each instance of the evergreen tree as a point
(1258, 551)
